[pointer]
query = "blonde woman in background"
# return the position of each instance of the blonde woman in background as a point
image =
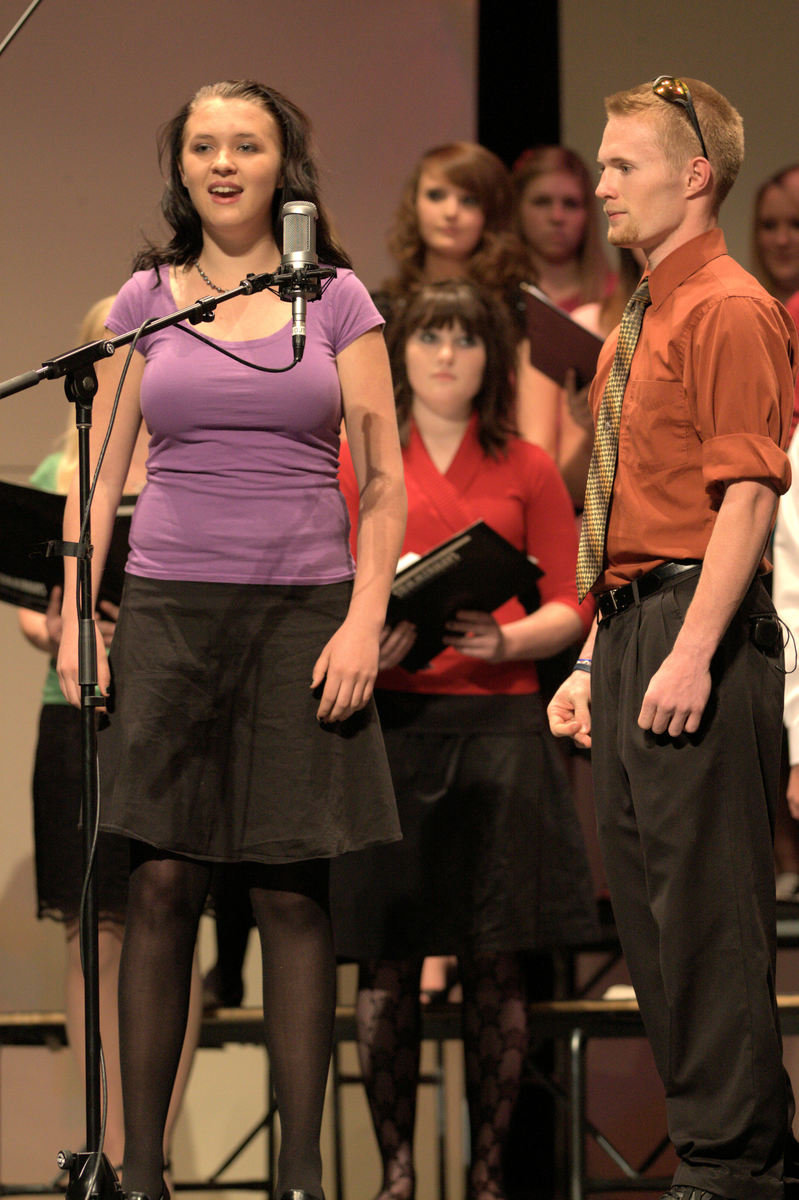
(775, 233)
(58, 840)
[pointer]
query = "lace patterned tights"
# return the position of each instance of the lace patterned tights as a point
(495, 1039)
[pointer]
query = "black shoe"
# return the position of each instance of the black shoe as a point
(298, 1194)
(684, 1191)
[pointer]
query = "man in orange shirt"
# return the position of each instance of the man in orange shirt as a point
(679, 686)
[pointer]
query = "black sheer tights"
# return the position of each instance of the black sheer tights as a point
(291, 909)
(495, 1039)
(166, 898)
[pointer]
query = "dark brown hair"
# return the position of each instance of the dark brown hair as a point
(437, 305)
(299, 176)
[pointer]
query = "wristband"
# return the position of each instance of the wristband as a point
(583, 664)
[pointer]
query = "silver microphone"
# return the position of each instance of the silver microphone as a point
(299, 253)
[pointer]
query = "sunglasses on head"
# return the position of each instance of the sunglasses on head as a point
(672, 89)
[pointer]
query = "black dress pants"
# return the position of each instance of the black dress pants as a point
(686, 827)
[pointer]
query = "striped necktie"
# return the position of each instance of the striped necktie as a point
(601, 472)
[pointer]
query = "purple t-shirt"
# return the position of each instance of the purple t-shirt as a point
(242, 482)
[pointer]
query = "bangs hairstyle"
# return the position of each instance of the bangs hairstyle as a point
(722, 128)
(545, 160)
(499, 260)
(441, 305)
(298, 172)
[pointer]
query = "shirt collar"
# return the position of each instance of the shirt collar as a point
(683, 262)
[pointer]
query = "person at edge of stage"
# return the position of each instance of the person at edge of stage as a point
(492, 865)
(786, 599)
(679, 687)
(243, 662)
(58, 836)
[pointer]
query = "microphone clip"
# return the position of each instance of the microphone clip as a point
(288, 282)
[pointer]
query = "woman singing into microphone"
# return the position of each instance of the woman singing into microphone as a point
(242, 725)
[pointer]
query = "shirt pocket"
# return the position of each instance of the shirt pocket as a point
(657, 435)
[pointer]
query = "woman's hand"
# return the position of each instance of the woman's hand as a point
(395, 642)
(107, 617)
(346, 669)
(577, 402)
(476, 635)
(68, 664)
(43, 629)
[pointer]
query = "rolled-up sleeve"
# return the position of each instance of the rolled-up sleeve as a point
(740, 376)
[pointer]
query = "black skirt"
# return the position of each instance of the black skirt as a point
(492, 857)
(57, 835)
(213, 748)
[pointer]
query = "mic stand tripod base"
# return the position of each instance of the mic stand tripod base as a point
(82, 1176)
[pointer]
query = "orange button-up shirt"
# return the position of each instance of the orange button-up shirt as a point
(708, 402)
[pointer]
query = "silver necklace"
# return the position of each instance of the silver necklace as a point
(210, 282)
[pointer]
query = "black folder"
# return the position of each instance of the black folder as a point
(557, 341)
(477, 569)
(29, 519)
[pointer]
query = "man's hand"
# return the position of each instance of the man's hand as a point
(569, 710)
(678, 691)
(676, 696)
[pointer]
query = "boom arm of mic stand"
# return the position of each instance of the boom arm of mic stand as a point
(85, 356)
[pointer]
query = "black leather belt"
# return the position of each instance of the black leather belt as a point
(618, 599)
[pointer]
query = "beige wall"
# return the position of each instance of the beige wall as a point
(747, 51)
(84, 86)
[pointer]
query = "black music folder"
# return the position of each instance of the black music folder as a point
(29, 519)
(477, 569)
(557, 341)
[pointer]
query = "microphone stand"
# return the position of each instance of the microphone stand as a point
(90, 1173)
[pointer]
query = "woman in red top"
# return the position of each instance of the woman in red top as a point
(492, 862)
